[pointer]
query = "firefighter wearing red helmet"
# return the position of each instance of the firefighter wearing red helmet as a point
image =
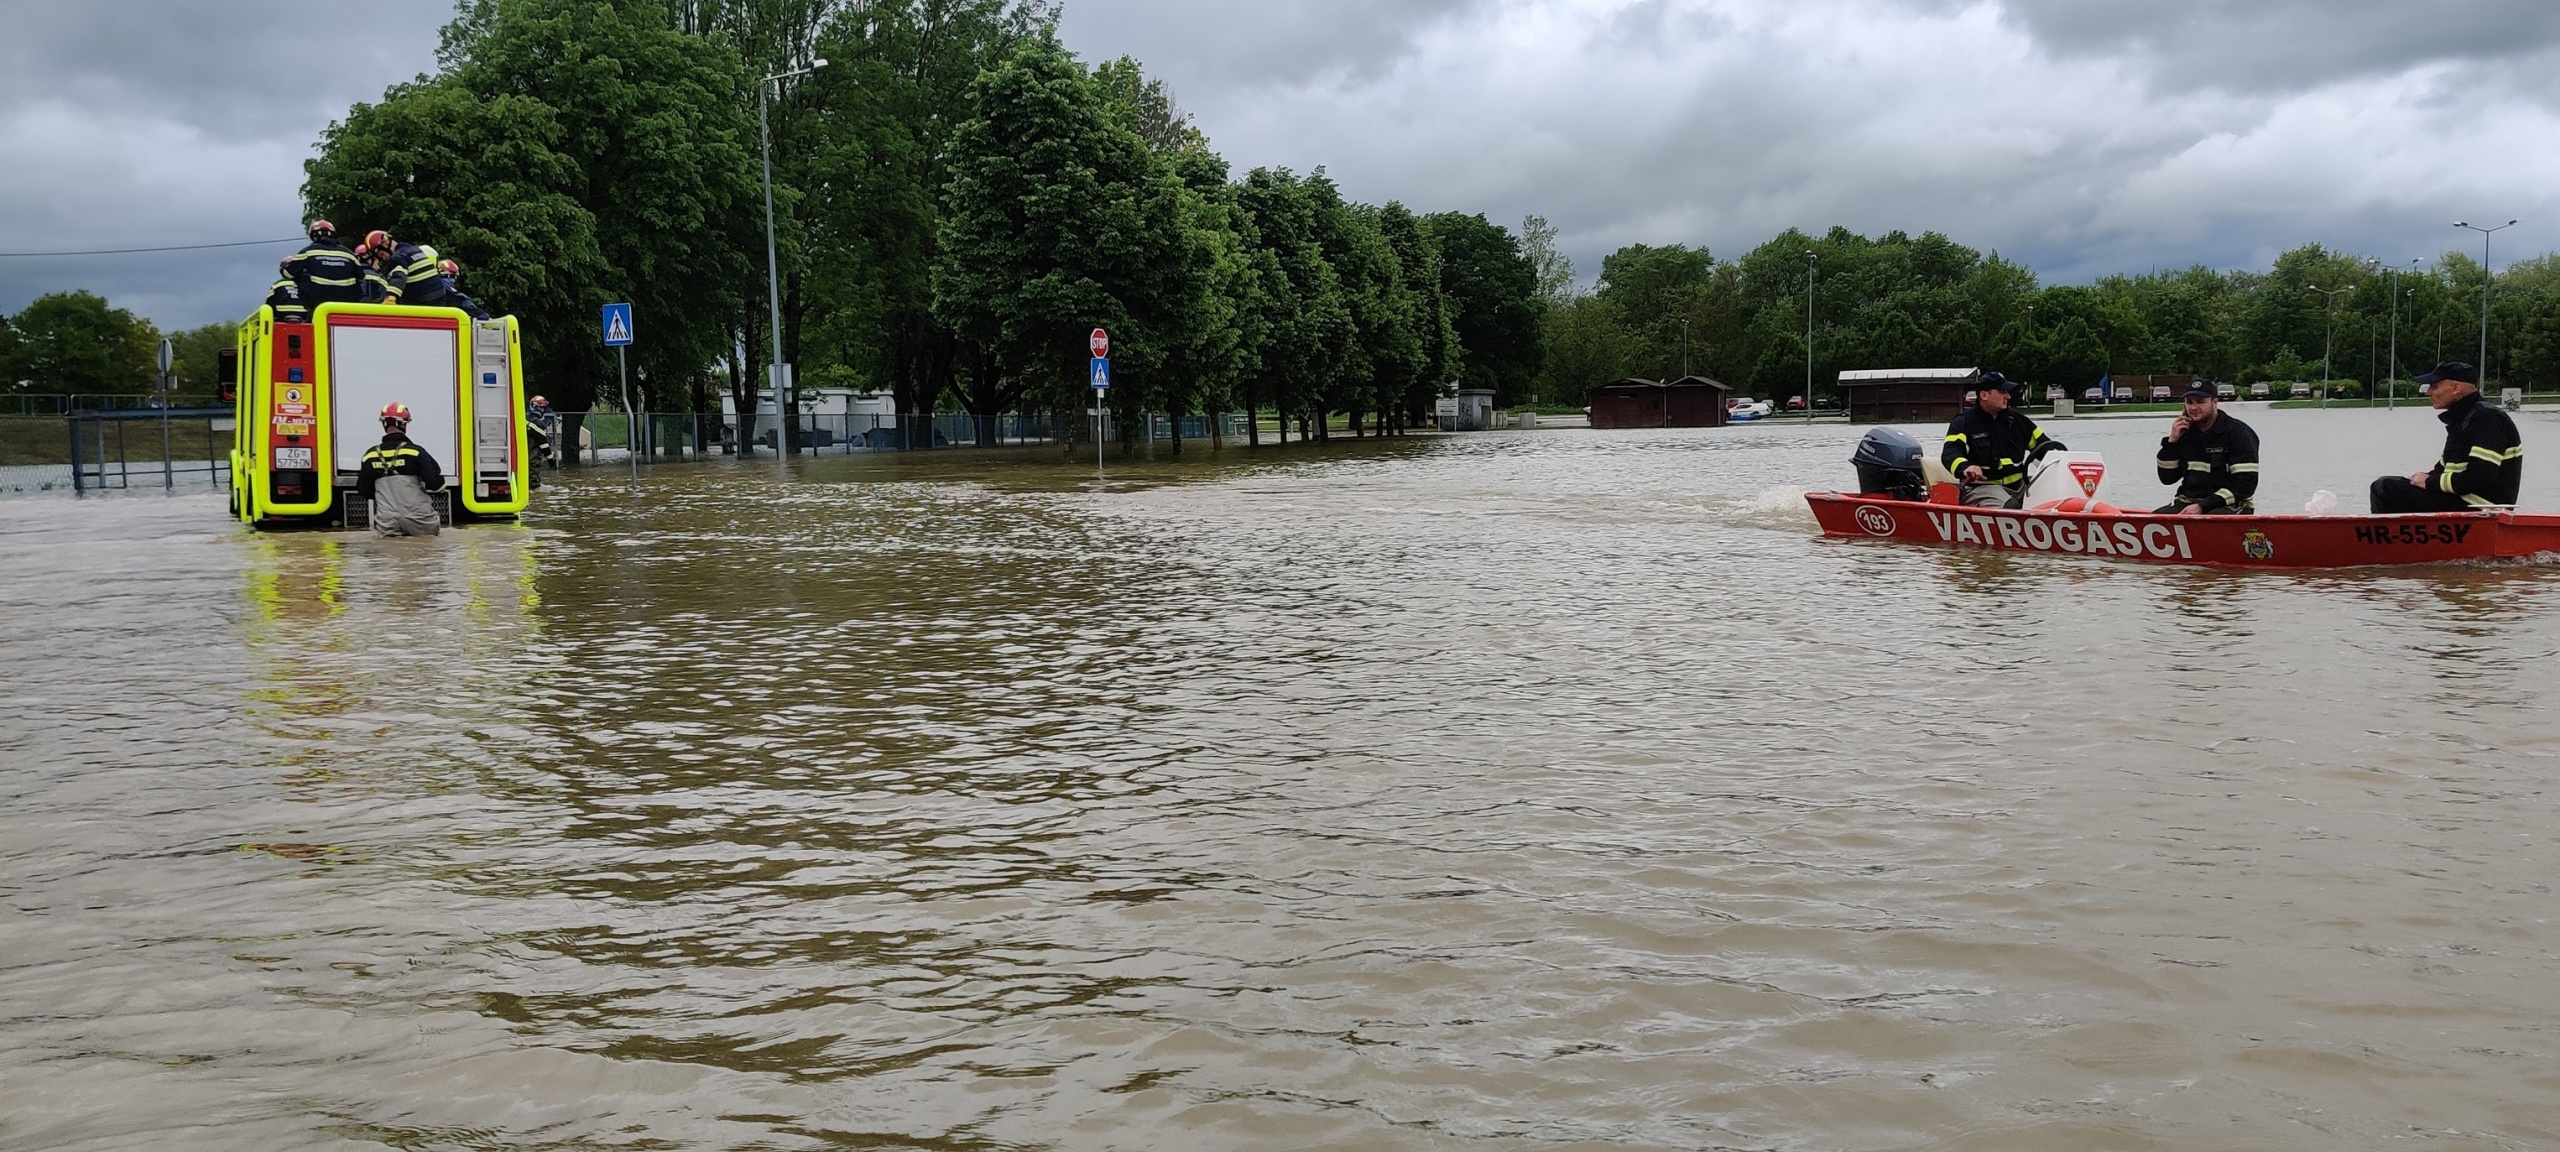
(325, 271)
(398, 480)
(407, 271)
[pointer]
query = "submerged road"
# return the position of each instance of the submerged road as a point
(1513, 791)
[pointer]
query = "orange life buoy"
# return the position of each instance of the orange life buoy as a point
(2079, 504)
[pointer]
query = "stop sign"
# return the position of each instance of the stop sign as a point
(1101, 343)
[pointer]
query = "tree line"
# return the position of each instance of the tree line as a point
(1898, 301)
(959, 201)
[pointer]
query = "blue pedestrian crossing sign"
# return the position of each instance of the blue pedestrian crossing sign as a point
(617, 325)
(1101, 373)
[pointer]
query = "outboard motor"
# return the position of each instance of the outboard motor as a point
(1888, 463)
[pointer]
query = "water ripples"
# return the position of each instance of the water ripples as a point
(1553, 789)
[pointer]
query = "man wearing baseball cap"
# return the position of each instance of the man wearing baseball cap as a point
(2483, 462)
(1990, 444)
(2211, 456)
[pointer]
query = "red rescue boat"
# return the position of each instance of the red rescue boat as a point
(2228, 541)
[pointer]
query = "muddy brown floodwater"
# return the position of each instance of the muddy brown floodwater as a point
(1514, 791)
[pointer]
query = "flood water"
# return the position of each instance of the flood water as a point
(1547, 789)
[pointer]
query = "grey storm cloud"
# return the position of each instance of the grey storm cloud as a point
(131, 124)
(2080, 137)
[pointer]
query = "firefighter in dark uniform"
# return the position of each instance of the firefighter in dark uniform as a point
(326, 271)
(285, 298)
(2483, 463)
(401, 267)
(2211, 456)
(1990, 444)
(451, 274)
(399, 480)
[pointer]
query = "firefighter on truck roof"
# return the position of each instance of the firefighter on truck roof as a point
(325, 271)
(407, 271)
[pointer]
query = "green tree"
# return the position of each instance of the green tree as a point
(569, 153)
(76, 343)
(1553, 268)
(869, 139)
(1417, 252)
(2076, 358)
(1305, 323)
(197, 356)
(1492, 289)
(1653, 294)
(1586, 347)
(1058, 220)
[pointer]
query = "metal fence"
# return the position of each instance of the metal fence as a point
(94, 443)
(606, 435)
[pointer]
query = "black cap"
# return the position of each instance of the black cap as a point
(1992, 380)
(2452, 370)
(2199, 388)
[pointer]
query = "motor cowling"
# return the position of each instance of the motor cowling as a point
(1888, 464)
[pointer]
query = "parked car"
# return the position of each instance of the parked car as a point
(2093, 396)
(2124, 394)
(2259, 391)
(2225, 391)
(2159, 392)
(2300, 390)
(1795, 403)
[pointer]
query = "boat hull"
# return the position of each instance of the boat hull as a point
(2223, 541)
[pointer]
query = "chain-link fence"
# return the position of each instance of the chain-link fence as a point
(601, 436)
(92, 443)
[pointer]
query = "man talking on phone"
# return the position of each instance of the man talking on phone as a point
(2211, 456)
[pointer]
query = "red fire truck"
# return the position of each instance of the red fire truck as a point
(308, 398)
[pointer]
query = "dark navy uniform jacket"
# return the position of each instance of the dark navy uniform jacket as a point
(326, 271)
(396, 455)
(2483, 456)
(2216, 467)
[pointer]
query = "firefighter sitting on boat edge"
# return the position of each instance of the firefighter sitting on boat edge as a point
(2211, 456)
(399, 480)
(2483, 463)
(1990, 444)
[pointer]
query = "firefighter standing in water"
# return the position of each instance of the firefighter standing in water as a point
(399, 480)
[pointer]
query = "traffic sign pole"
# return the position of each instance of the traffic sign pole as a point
(168, 469)
(617, 336)
(1100, 374)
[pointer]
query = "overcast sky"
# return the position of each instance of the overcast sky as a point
(2080, 136)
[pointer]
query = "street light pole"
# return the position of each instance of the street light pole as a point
(1811, 259)
(2487, 276)
(2393, 403)
(1684, 347)
(2328, 335)
(773, 276)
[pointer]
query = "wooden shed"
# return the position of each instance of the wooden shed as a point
(1635, 402)
(1907, 395)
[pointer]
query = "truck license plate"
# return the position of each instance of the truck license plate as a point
(295, 459)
